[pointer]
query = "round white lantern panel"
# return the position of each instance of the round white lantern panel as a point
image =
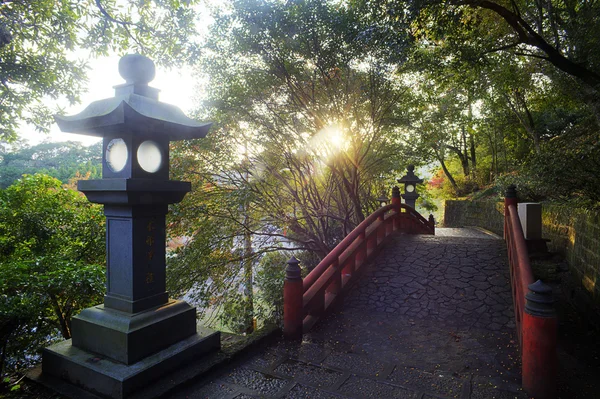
(116, 155)
(410, 188)
(149, 156)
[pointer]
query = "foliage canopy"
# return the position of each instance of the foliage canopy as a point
(51, 263)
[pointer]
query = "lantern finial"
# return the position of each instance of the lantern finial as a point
(136, 69)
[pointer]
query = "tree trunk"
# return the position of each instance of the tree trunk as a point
(445, 169)
(473, 155)
(248, 269)
(464, 159)
(5, 332)
(64, 327)
(248, 277)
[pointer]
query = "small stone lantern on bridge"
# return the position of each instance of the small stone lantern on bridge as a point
(410, 181)
(383, 200)
(138, 334)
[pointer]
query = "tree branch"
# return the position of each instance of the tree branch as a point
(112, 19)
(529, 36)
(502, 48)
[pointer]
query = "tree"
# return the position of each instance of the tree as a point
(38, 40)
(527, 67)
(320, 115)
(308, 125)
(51, 263)
(562, 33)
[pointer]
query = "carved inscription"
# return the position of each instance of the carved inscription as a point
(150, 250)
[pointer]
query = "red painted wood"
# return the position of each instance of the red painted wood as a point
(335, 287)
(361, 253)
(507, 202)
(327, 280)
(520, 268)
(336, 252)
(539, 358)
(537, 335)
(293, 309)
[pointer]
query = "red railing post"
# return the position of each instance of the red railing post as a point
(293, 307)
(336, 285)
(305, 300)
(371, 242)
(361, 252)
(380, 233)
(510, 198)
(349, 266)
(396, 201)
(539, 357)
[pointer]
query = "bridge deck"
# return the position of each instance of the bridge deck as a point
(430, 318)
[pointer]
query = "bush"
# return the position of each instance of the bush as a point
(51, 264)
(269, 283)
(565, 170)
(237, 313)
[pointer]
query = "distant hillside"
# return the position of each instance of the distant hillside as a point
(60, 160)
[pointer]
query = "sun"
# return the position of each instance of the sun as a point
(336, 138)
(329, 140)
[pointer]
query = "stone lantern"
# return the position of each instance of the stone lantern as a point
(410, 182)
(383, 200)
(138, 334)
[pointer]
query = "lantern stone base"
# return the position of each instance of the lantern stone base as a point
(114, 353)
(129, 337)
(108, 378)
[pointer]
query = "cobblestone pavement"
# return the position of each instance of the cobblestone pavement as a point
(431, 317)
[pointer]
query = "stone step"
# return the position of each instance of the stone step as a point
(317, 373)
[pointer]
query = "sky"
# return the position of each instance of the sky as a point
(177, 87)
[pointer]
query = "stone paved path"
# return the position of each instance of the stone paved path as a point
(430, 318)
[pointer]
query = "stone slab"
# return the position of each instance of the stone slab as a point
(128, 338)
(107, 378)
(530, 214)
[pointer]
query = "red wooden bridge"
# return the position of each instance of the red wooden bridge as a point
(306, 301)
(400, 309)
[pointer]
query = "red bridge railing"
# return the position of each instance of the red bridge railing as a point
(305, 301)
(535, 317)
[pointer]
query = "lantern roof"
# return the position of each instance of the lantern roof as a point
(410, 176)
(135, 109)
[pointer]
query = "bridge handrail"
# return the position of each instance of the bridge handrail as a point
(362, 228)
(521, 274)
(306, 300)
(427, 224)
(332, 256)
(535, 318)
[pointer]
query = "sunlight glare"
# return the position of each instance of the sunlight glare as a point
(329, 140)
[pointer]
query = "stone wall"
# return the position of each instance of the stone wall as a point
(486, 214)
(575, 233)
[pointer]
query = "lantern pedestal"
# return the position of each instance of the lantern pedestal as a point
(113, 379)
(138, 334)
